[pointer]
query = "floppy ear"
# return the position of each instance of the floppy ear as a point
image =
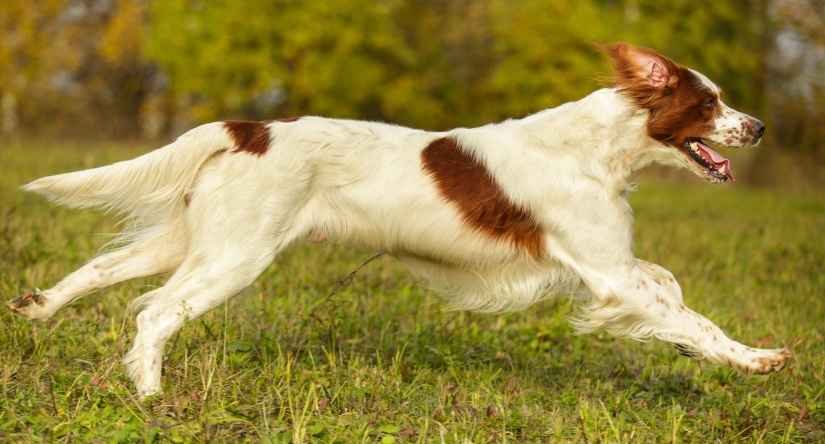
(642, 74)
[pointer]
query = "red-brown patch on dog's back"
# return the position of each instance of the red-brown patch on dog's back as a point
(249, 137)
(289, 119)
(467, 184)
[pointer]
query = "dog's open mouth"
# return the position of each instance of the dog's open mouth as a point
(716, 165)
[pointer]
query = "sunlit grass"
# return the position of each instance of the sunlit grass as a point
(381, 361)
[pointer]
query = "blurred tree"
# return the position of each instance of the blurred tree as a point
(543, 50)
(77, 63)
(25, 30)
(256, 59)
(797, 83)
(795, 90)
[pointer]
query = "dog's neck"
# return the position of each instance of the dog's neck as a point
(604, 128)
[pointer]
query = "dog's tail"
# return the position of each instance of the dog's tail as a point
(151, 183)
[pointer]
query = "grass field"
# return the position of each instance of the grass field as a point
(381, 361)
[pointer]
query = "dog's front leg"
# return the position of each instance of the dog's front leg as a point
(648, 302)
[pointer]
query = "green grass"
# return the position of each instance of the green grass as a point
(381, 361)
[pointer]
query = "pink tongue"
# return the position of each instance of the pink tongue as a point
(717, 159)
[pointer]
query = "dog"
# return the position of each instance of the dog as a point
(498, 217)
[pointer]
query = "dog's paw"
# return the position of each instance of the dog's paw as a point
(30, 306)
(763, 362)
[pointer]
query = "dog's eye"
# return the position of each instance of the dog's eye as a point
(709, 103)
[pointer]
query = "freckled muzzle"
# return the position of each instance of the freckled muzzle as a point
(746, 132)
(715, 166)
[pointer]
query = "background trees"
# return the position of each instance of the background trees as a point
(138, 68)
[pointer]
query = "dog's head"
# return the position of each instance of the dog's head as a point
(686, 110)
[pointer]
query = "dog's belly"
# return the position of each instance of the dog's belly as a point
(414, 225)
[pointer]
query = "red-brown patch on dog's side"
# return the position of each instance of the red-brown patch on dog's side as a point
(467, 184)
(249, 137)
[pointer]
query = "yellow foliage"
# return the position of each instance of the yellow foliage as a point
(121, 41)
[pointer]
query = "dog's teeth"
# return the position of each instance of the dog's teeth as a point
(723, 170)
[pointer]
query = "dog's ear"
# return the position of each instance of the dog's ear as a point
(642, 74)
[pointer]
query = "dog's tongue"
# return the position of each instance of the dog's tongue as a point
(719, 161)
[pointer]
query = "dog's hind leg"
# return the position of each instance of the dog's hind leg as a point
(230, 244)
(157, 252)
(207, 278)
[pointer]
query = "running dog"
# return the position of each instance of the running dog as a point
(499, 216)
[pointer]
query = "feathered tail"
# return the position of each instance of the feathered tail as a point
(154, 180)
(147, 190)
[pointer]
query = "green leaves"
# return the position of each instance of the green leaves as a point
(275, 57)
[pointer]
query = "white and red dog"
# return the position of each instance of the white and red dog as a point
(499, 216)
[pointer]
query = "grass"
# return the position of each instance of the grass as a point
(380, 361)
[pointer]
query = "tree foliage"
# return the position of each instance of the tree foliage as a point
(74, 64)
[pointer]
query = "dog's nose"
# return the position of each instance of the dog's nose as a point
(758, 128)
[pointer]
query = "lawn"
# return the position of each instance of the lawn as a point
(298, 357)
